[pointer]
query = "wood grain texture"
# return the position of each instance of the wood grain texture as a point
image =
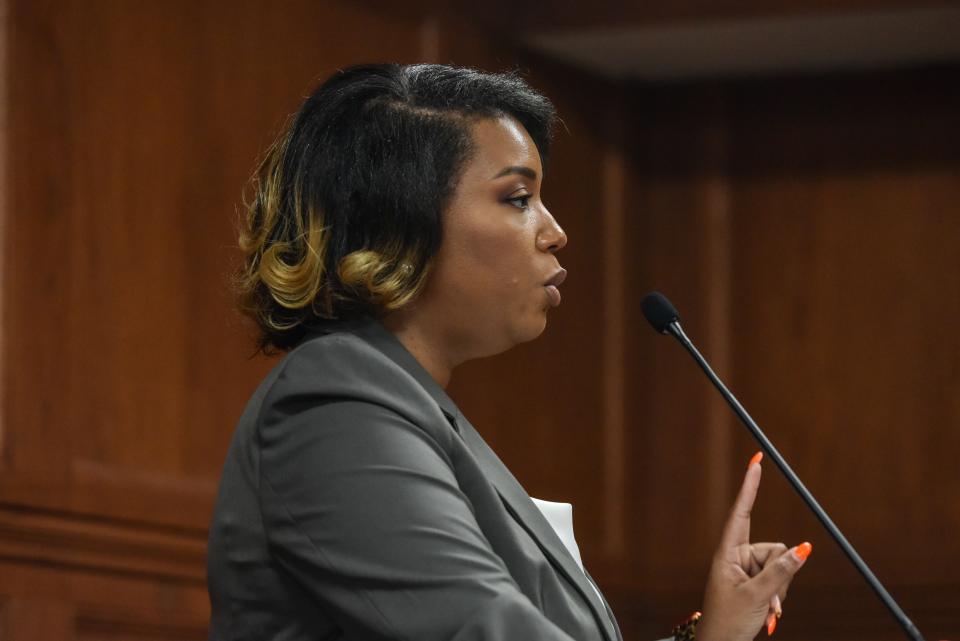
(521, 19)
(50, 603)
(105, 546)
(850, 258)
(740, 201)
(36, 619)
(129, 131)
(134, 127)
(807, 228)
(842, 306)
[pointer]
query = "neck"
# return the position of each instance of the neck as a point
(424, 345)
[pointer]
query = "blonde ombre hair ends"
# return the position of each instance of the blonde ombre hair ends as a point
(284, 245)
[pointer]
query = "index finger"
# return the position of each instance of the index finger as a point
(737, 529)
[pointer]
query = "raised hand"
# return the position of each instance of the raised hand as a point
(747, 581)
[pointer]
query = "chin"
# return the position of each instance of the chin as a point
(531, 330)
(516, 335)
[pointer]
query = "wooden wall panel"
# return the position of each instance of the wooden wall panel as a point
(36, 619)
(824, 211)
(676, 439)
(58, 603)
(521, 19)
(130, 130)
(134, 128)
(745, 202)
(760, 207)
(676, 231)
(847, 293)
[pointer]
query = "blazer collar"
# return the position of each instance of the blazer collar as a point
(375, 334)
(511, 492)
(380, 337)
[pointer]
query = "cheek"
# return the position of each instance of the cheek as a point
(489, 258)
(504, 264)
(493, 254)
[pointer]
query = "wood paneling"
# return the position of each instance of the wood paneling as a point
(848, 228)
(130, 130)
(133, 128)
(107, 546)
(518, 20)
(36, 619)
(55, 603)
(807, 228)
(678, 234)
(764, 209)
(838, 259)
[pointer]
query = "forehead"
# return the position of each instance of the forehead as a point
(502, 142)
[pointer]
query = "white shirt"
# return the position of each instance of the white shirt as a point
(560, 518)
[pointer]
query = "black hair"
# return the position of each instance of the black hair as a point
(347, 213)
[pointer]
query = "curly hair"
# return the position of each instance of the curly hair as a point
(346, 213)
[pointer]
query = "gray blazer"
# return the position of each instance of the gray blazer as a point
(358, 503)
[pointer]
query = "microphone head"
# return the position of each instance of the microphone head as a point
(659, 311)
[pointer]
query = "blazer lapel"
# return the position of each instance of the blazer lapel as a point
(606, 606)
(531, 519)
(514, 496)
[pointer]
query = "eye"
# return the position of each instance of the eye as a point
(520, 202)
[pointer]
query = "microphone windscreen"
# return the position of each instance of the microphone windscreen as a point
(659, 311)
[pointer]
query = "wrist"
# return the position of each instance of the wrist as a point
(705, 631)
(687, 630)
(710, 629)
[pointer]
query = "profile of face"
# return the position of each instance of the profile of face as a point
(495, 274)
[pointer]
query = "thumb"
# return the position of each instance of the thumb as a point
(775, 576)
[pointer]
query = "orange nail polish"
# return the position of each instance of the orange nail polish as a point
(756, 459)
(803, 551)
(771, 625)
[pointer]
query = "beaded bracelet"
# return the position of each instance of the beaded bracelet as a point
(686, 630)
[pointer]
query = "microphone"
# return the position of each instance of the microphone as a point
(664, 318)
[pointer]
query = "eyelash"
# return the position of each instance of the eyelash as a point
(520, 202)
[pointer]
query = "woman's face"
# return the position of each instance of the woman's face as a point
(495, 275)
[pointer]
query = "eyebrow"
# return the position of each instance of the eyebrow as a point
(516, 169)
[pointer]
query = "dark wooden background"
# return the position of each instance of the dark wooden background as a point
(807, 227)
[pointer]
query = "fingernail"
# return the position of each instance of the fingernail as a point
(771, 624)
(756, 459)
(803, 551)
(777, 606)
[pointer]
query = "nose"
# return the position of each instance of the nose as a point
(551, 238)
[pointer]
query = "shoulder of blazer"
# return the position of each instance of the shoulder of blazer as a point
(345, 367)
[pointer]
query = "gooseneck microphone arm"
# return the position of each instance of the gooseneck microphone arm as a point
(665, 319)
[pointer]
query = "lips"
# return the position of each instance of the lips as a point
(553, 287)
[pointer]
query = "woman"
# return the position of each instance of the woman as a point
(396, 232)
